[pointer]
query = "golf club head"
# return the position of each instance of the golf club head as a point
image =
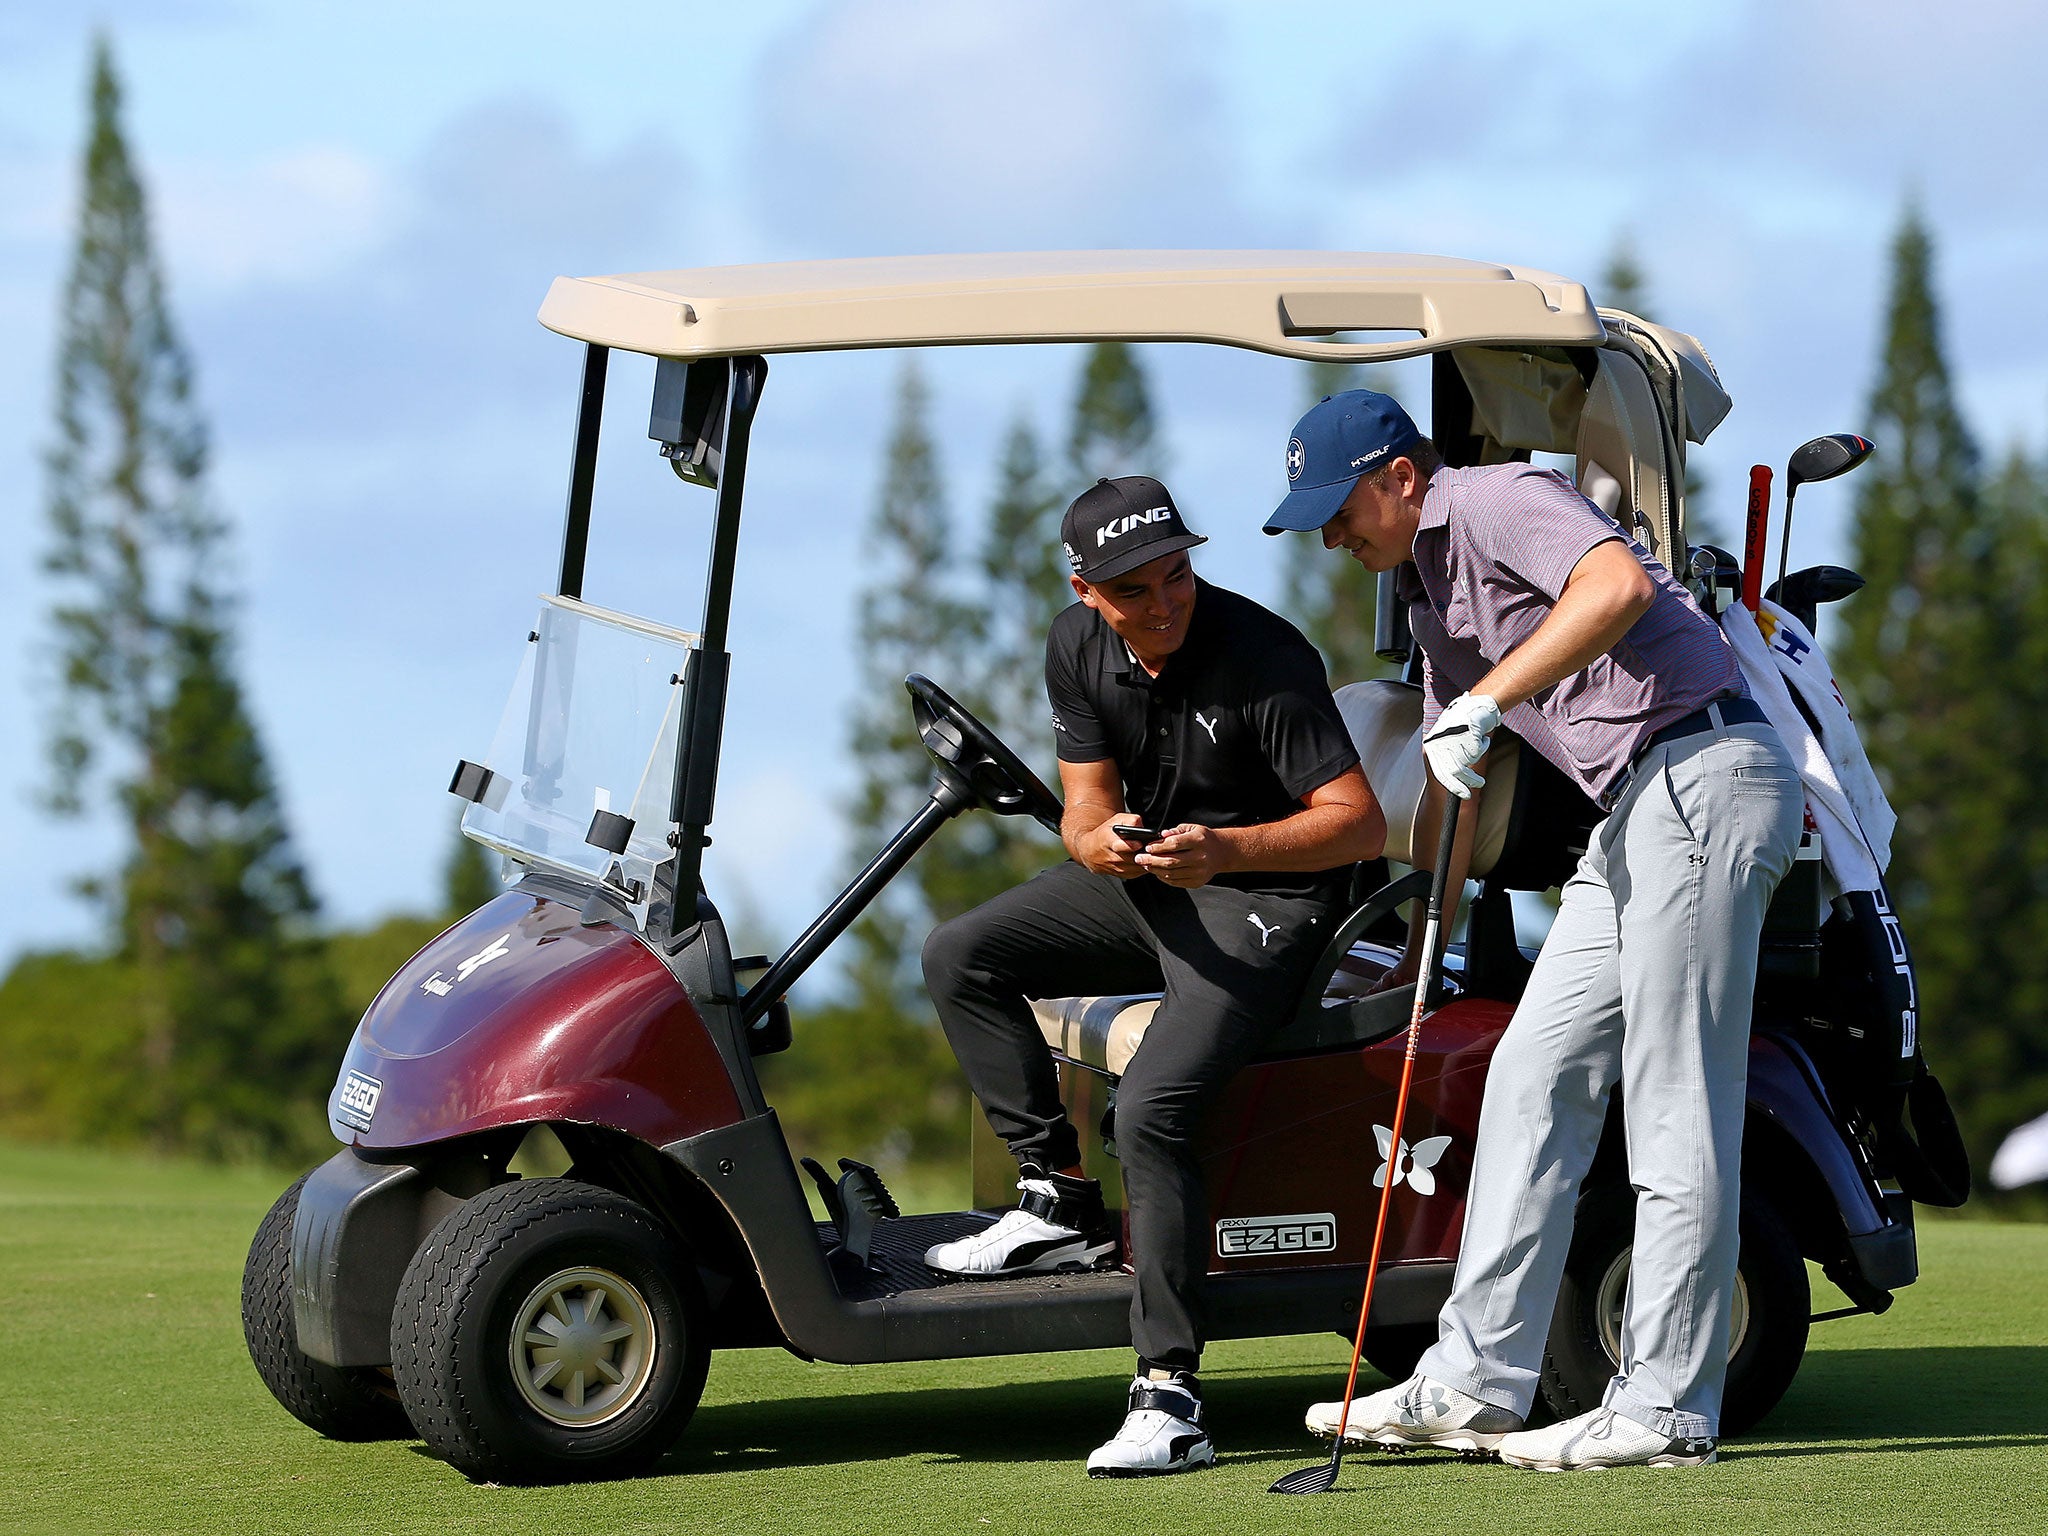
(1320, 1478)
(1826, 457)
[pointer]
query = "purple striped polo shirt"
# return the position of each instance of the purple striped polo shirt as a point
(1492, 553)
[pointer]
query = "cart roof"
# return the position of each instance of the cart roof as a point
(1286, 302)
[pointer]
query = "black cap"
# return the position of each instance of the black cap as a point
(1117, 525)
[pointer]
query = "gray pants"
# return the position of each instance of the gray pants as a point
(1646, 979)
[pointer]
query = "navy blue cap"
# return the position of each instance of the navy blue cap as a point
(1342, 437)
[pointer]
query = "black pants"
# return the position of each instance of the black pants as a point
(1228, 981)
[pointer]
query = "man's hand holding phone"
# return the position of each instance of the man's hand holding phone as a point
(1186, 856)
(1116, 844)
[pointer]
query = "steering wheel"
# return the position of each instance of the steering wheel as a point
(961, 744)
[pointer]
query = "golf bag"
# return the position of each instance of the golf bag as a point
(1872, 1004)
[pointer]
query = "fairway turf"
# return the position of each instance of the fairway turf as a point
(128, 1404)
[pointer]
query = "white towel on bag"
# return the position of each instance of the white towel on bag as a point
(1844, 802)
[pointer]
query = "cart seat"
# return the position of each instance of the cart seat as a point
(1385, 722)
(1099, 1032)
(1533, 821)
(1105, 1032)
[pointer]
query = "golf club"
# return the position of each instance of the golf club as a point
(1823, 458)
(1323, 1477)
(1754, 536)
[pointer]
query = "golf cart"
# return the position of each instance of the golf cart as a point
(538, 1329)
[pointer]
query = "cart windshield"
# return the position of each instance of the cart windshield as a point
(591, 726)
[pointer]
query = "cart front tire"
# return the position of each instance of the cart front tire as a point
(549, 1331)
(1767, 1335)
(352, 1403)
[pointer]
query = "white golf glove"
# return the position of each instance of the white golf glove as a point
(1460, 739)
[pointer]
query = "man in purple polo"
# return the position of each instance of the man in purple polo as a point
(1534, 610)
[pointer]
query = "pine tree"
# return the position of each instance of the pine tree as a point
(212, 907)
(1113, 431)
(1328, 596)
(875, 1076)
(1930, 657)
(1024, 586)
(257, 1019)
(1024, 573)
(2003, 1064)
(911, 619)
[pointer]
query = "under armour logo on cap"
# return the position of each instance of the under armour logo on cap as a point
(1341, 437)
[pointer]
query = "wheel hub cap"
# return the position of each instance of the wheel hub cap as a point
(582, 1347)
(1612, 1307)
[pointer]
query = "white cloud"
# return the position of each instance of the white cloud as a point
(889, 126)
(296, 217)
(434, 325)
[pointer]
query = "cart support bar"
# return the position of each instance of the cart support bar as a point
(696, 778)
(583, 470)
(947, 801)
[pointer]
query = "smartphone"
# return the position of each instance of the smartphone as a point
(1137, 834)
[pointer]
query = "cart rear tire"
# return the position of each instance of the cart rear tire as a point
(342, 1403)
(549, 1331)
(1773, 1307)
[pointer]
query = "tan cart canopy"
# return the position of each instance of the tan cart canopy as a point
(1291, 303)
(1626, 418)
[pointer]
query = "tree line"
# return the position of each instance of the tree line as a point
(212, 1018)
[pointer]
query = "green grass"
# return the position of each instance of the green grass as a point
(127, 1404)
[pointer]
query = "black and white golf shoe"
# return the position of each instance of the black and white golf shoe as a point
(1060, 1224)
(1162, 1433)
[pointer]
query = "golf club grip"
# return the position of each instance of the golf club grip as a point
(1446, 839)
(1428, 991)
(1755, 547)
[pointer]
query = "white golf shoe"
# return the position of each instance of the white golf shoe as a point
(1059, 1224)
(1603, 1438)
(1162, 1433)
(1418, 1412)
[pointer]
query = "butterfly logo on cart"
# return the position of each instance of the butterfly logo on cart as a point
(1412, 1165)
(441, 985)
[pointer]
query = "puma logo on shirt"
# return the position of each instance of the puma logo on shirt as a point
(1265, 932)
(1208, 725)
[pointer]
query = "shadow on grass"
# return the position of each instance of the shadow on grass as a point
(1874, 1400)
(1254, 1417)
(1966, 1397)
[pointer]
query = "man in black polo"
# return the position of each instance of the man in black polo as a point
(1195, 713)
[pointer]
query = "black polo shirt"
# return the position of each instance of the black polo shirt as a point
(1237, 727)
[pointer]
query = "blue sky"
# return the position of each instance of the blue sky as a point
(361, 206)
